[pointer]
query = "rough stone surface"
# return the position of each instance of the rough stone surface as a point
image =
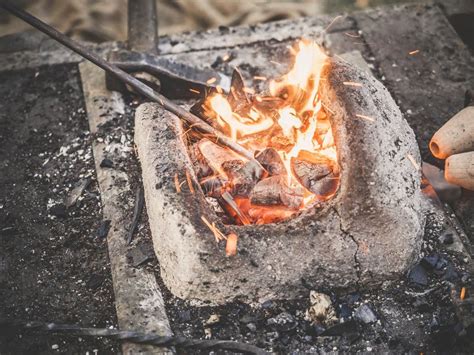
(340, 245)
(380, 184)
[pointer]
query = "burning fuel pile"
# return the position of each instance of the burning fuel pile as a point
(290, 135)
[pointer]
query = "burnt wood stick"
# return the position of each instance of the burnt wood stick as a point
(192, 120)
(229, 200)
(137, 211)
(133, 336)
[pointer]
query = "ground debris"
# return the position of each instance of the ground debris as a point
(76, 192)
(321, 309)
(365, 314)
(58, 210)
(103, 229)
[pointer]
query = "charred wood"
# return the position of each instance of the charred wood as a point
(271, 161)
(275, 191)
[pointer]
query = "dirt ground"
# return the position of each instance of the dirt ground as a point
(53, 265)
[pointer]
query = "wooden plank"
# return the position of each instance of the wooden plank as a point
(138, 299)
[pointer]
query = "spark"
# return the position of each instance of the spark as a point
(190, 182)
(368, 118)
(352, 35)
(351, 83)
(211, 81)
(217, 233)
(414, 52)
(462, 296)
(176, 183)
(226, 57)
(195, 91)
(292, 50)
(274, 62)
(327, 108)
(413, 161)
(332, 22)
(262, 78)
(231, 245)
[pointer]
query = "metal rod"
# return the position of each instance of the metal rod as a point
(192, 120)
(142, 26)
(183, 343)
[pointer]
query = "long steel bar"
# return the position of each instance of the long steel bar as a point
(194, 121)
(142, 26)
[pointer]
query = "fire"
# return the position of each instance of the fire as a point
(243, 126)
(289, 120)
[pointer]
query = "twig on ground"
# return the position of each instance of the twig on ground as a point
(134, 337)
(137, 211)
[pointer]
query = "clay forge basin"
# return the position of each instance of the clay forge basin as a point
(367, 233)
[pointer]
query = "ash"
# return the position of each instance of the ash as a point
(421, 312)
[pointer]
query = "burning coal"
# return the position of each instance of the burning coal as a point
(290, 135)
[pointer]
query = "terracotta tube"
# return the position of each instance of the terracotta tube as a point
(456, 136)
(459, 170)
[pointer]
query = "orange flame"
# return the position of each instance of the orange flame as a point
(296, 116)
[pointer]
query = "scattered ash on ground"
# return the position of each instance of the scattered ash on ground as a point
(420, 312)
(53, 265)
(55, 268)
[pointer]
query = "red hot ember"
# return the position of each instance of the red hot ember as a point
(290, 135)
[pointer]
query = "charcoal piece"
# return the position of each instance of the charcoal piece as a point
(271, 161)
(430, 261)
(447, 237)
(243, 176)
(58, 210)
(103, 229)
(365, 314)
(140, 254)
(418, 275)
(316, 177)
(232, 167)
(275, 191)
(450, 274)
(215, 155)
(76, 192)
(203, 169)
(214, 186)
(237, 98)
(106, 163)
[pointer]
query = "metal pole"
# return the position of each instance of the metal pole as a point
(188, 117)
(142, 26)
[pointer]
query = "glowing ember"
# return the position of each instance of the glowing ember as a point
(290, 135)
